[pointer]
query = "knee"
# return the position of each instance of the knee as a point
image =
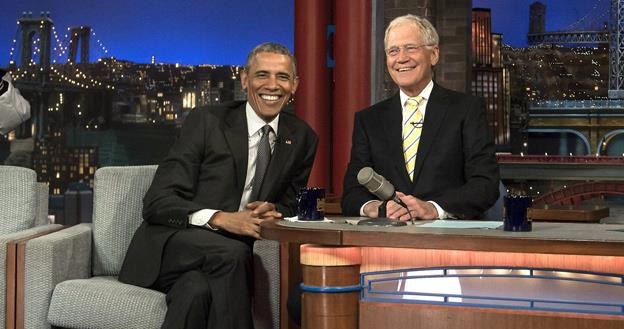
(196, 283)
(194, 286)
(239, 253)
(235, 257)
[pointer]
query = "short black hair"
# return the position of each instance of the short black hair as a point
(271, 47)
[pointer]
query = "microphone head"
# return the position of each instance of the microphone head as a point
(365, 175)
(375, 183)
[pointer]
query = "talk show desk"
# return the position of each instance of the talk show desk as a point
(597, 248)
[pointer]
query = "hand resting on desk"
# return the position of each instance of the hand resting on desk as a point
(420, 210)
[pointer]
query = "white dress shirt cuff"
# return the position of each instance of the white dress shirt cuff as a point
(202, 218)
(364, 205)
(441, 213)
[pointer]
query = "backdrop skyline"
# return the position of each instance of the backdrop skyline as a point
(511, 17)
(222, 32)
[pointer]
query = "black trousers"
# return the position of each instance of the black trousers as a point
(208, 279)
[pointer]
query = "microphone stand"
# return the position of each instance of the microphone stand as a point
(382, 220)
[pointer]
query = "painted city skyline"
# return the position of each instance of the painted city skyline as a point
(129, 102)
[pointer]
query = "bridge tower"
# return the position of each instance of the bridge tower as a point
(31, 27)
(80, 35)
(537, 18)
(616, 50)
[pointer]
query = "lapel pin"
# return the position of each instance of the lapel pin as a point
(288, 141)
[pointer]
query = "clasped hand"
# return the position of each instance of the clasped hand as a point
(247, 222)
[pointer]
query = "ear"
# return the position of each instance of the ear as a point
(295, 85)
(435, 55)
(243, 76)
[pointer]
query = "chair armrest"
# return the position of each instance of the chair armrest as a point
(50, 259)
(8, 264)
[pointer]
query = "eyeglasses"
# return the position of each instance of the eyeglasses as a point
(409, 48)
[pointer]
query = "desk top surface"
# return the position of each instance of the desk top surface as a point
(557, 238)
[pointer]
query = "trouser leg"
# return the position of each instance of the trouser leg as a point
(223, 265)
(188, 302)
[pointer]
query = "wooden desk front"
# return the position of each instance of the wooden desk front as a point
(587, 247)
(586, 214)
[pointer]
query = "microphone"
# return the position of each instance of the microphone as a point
(381, 188)
(378, 185)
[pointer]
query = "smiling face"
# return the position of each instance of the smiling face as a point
(411, 69)
(269, 81)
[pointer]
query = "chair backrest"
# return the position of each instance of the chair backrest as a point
(43, 200)
(18, 197)
(117, 206)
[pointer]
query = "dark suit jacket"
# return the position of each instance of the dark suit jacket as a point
(206, 168)
(455, 165)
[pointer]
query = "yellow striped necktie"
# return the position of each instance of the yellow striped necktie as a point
(412, 127)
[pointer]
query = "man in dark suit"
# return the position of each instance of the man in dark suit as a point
(431, 143)
(209, 196)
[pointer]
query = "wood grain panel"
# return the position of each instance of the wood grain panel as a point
(20, 262)
(271, 231)
(335, 310)
(379, 259)
(443, 240)
(11, 268)
(313, 254)
(375, 315)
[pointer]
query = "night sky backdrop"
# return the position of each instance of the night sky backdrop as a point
(223, 31)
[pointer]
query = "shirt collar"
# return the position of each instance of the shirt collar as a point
(425, 93)
(255, 123)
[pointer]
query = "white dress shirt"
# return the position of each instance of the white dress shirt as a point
(254, 131)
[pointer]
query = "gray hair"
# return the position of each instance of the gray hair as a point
(271, 47)
(429, 33)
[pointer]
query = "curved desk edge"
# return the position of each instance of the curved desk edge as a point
(273, 231)
(449, 239)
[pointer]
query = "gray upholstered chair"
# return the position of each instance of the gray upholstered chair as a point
(24, 214)
(76, 268)
(496, 211)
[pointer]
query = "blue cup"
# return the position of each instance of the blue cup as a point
(516, 216)
(311, 204)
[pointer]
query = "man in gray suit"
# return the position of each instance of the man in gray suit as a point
(233, 167)
(432, 143)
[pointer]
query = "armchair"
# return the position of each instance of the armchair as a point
(75, 270)
(24, 214)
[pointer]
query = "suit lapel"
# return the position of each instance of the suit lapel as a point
(236, 136)
(284, 146)
(392, 117)
(437, 106)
